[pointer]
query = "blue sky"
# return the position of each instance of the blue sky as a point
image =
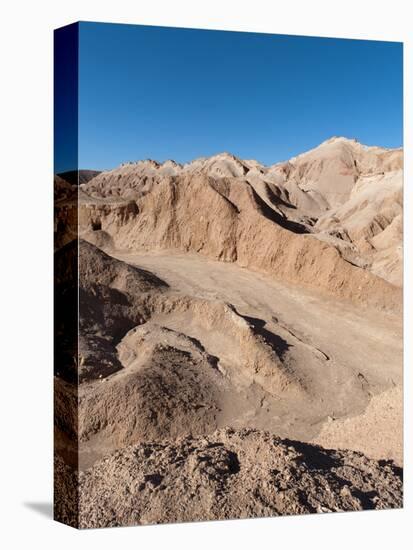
(153, 92)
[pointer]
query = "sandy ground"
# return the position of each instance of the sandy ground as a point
(357, 342)
(377, 432)
(225, 383)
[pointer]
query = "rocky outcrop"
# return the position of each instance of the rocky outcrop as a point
(263, 218)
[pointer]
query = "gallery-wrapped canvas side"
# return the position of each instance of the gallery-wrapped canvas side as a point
(66, 501)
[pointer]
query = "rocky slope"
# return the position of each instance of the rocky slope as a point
(329, 219)
(229, 474)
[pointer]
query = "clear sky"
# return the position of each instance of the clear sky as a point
(153, 92)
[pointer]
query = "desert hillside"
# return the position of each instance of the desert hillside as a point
(234, 315)
(329, 219)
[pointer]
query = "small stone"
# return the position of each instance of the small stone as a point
(345, 491)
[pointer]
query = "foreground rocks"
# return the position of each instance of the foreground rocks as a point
(230, 474)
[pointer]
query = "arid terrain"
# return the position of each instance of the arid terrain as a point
(240, 337)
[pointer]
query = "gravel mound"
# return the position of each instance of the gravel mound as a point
(232, 474)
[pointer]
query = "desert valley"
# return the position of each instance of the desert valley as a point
(240, 349)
